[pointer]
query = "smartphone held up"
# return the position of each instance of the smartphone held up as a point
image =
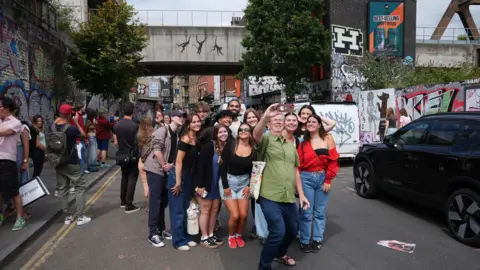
(286, 108)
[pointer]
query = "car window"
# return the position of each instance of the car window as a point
(413, 133)
(467, 138)
(443, 133)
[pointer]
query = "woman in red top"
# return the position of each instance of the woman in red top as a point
(104, 134)
(318, 166)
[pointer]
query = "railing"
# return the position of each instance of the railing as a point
(450, 36)
(190, 17)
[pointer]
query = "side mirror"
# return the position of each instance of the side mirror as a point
(398, 146)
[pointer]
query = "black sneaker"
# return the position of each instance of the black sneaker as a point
(156, 241)
(166, 235)
(131, 208)
(208, 243)
(316, 246)
(122, 205)
(307, 248)
(216, 240)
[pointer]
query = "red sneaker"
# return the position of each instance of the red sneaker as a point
(232, 243)
(240, 242)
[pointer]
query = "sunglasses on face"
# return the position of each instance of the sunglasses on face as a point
(244, 129)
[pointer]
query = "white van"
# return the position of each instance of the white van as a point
(347, 131)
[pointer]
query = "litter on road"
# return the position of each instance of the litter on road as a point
(397, 245)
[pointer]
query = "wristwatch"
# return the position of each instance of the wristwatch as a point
(25, 160)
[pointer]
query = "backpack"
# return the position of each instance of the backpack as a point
(57, 150)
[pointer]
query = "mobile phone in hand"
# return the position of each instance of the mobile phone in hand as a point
(286, 108)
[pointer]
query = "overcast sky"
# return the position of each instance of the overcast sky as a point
(428, 14)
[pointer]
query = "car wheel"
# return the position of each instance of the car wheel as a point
(463, 216)
(364, 180)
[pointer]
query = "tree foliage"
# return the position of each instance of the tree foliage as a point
(285, 40)
(107, 50)
(383, 72)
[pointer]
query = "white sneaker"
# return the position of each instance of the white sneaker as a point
(184, 248)
(68, 220)
(72, 190)
(56, 193)
(192, 244)
(86, 172)
(83, 220)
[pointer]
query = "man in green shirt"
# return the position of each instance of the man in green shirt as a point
(277, 193)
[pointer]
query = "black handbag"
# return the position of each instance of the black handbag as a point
(128, 156)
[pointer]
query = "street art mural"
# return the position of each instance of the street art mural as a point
(26, 72)
(372, 113)
(430, 99)
(472, 101)
(347, 81)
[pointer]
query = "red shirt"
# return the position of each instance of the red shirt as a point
(80, 123)
(104, 128)
(311, 162)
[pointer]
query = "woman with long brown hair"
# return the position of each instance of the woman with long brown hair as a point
(145, 130)
(208, 192)
(391, 122)
(235, 172)
(180, 182)
(318, 158)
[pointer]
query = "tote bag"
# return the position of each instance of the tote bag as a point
(257, 173)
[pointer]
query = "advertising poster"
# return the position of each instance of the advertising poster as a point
(386, 28)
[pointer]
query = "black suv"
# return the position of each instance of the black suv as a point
(434, 161)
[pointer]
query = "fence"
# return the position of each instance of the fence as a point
(450, 36)
(189, 17)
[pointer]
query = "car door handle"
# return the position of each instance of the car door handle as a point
(451, 158)
(408, 156)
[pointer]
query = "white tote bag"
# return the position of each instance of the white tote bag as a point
(257, 174)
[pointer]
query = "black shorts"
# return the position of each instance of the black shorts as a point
(9, 185)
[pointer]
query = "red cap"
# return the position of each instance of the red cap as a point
(66, 109)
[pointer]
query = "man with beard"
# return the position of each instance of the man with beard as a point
(234, 106)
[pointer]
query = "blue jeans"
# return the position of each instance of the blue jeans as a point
(83, 156)
(312, 183)
(92, 154)
(260, 222)
(178, 208)
(158, 201)
(282, 227)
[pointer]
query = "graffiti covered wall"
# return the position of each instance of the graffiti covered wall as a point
(472, 101)
(372, 112)
(26, 70)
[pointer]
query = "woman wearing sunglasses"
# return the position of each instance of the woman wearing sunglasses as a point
(235, 172)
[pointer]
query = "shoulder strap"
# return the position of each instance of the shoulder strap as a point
(64, 129)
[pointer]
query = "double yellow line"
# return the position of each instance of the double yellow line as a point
(47, 249)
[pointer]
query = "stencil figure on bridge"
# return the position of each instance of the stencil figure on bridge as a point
(184, 44)
(200, 44)
(217, 48)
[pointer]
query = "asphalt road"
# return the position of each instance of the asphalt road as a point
(115, 240)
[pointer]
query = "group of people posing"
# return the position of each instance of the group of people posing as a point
(209, 160)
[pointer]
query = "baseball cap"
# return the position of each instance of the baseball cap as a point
(66, 109)
(178, 113)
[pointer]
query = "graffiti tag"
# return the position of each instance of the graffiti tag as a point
(344, 128)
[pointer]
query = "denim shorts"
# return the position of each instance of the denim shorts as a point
(102, 144)
(237, 183)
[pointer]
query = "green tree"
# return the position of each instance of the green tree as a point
(107, 50)
(285, 40)
(381, 72)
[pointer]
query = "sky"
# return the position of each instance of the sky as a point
(428, 15)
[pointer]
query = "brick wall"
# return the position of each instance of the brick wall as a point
(26, 66)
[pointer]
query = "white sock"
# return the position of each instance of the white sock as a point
(211, 235)
(231, 236)
(237, 235)
(204, 237)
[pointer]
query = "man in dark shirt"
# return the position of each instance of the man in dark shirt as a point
(126, 132)
(71, 171)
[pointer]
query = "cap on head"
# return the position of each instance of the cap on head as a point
(66, 109)
(178, 113)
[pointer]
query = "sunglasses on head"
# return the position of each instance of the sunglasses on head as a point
(244, 130)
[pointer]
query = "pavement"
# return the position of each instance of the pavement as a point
(116, 240)
(43, 212)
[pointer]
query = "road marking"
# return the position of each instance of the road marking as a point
(47, 249)
(351, 189)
